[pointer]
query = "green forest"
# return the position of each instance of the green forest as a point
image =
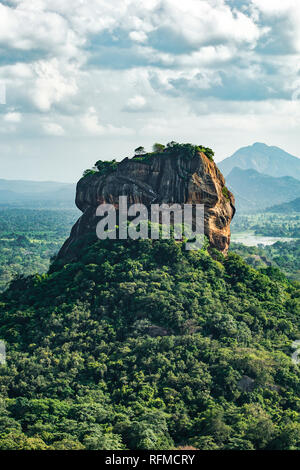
(268, 224)
(149, 230)
(29, 238)
(145, 345)
(283, 255)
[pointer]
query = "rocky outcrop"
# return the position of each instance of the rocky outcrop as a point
(161, 178)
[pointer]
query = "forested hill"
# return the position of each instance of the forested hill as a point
(256, 191)
(145, 345)
(287, 207)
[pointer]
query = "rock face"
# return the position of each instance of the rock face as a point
(162, 178)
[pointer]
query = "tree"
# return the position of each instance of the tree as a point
(140, 151)
(158, 147)
(207, 151)
(105, 167)
(172, 144)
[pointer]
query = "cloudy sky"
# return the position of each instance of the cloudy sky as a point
(93, 79)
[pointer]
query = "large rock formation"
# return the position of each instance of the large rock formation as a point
(162, 178)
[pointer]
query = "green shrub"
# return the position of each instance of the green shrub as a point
(226, 193)
(102, 167)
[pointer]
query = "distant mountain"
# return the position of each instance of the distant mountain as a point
(260, 157)
(255, 191)
(285, 208)
(36, 193)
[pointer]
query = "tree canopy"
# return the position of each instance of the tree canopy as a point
(141, 344)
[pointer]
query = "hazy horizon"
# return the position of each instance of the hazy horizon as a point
(75, 181)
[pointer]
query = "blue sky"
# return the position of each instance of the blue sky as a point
(91, 79)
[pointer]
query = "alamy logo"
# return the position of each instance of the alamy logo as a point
(178, 221)
(2, 353)
(2, 93)
(296, 354)
(296, 92)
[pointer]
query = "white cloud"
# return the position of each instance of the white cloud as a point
(205, 21)
(63, 27)
(136, 103)
(178, 69)
(276, 7)
(91, 123)
(13, 117)
(27, 28)
(282, 19)
(53, 82)
(52, 128)
(138, 36)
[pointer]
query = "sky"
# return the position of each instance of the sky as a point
(83, 80)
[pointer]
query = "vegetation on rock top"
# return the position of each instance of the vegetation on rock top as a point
(186, 150)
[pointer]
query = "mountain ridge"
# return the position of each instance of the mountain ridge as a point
(292, 206)
(270, 160)
(258, 191)
(31, 185)
(20, 192)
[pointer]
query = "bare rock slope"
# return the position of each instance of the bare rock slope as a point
(167, 177)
